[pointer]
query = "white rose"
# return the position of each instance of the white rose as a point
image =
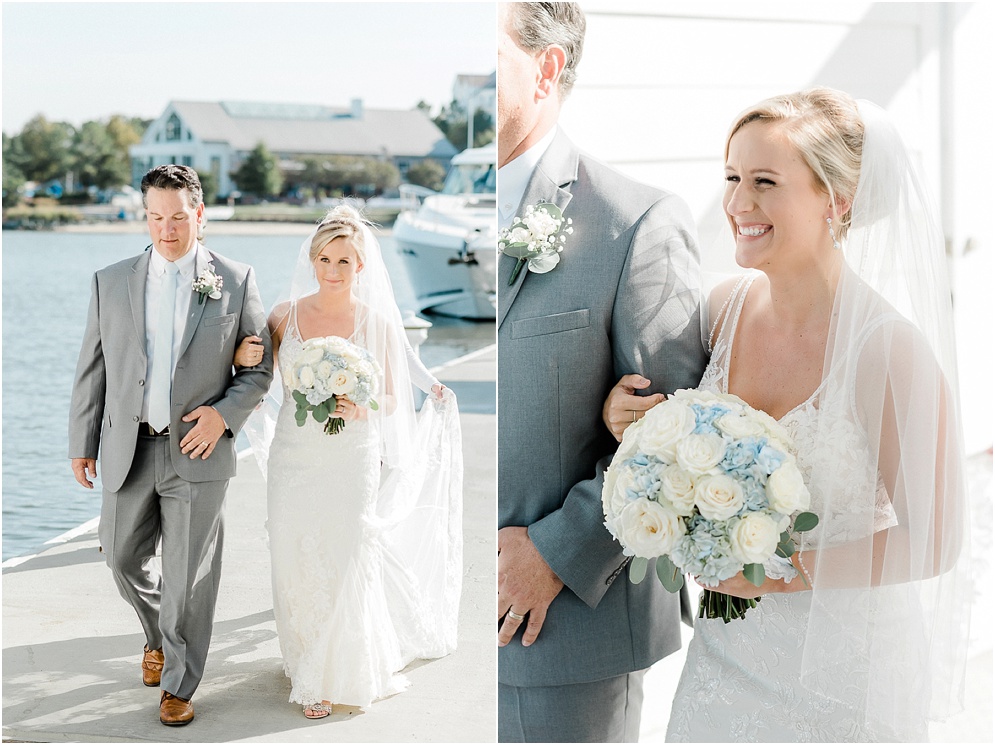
(678, 487)
(618, 480)
(786, 490)
(324, 370)
(519, 235)
(312, 355)
(342, 383)
(775, 430)
(754, 538)
(700, 454)
(737, 426)
(306, 376)
(544, 262)
(664, 426)
(718, 497)
(693, 395)
(647, 528)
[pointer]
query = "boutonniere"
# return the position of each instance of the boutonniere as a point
(536, 239)
(208, 284)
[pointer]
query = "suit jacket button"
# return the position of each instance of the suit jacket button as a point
(141, 382)
(134, 418)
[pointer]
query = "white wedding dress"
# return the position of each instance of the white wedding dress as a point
(742, 680)
(349, 612)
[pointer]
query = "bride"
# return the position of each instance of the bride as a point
(365, 524)
(843, 333)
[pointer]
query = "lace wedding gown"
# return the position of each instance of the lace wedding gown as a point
(742, 680)
(348, 612)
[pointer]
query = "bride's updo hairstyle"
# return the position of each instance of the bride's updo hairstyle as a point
(340, 222)
(824, 126)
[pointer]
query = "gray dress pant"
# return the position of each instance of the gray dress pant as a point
(176, 606)
(601, 711)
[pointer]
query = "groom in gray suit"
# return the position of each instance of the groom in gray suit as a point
(575, 636)
(155, 392)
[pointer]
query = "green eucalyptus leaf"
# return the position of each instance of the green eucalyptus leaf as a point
(637, 569)
(555, 212)
(374, 405)
(805, 521)
(786, 548)
(517, 250)
(321, 412)
(755, 574)
(300, 398)
(669, 575)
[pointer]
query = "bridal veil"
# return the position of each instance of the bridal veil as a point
(890, 580)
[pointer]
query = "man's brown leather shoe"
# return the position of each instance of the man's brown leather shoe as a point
(152, 666)
(175, 711)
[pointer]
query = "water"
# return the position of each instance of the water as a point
(46, 292)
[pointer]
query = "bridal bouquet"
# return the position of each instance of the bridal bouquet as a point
(328, 367)
(708, 486)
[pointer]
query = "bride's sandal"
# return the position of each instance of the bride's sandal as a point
(317, 711)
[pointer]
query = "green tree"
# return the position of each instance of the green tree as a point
(98, 160)
(382, 174)
(427, 173)
(452, 121)
(47, 149)
(209, 184)
(13, 177)
(259, 173)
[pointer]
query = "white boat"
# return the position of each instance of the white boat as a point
(449, 239)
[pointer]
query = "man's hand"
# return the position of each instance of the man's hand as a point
(205, 434)
(623, 407)
(83, 467)
(526, 584)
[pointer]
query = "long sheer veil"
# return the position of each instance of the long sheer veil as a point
(419, 503)
(890, 600)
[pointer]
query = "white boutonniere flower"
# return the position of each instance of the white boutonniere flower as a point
(208, 284)
(536, 239)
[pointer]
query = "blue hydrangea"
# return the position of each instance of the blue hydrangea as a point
(705, 552)
(740, 456)
(769, 458)
(705, 417)
(645, 471)
(754, 494)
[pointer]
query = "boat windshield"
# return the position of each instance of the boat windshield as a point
(471, 178)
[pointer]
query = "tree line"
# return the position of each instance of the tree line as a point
(92, 155)
(95, 154)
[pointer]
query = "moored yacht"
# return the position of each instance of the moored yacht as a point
(449, 239)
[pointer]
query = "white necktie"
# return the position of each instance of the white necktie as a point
(162, 354)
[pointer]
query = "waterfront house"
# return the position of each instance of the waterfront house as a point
(215, 136)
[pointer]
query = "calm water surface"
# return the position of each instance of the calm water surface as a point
(46, 292)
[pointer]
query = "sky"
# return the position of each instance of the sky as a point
(80, 61)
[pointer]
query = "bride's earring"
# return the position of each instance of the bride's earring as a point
(832, 234)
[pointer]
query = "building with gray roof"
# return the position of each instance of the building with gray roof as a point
(215, 136)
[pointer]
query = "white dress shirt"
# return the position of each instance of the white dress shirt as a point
(184, 290)
(513, 178)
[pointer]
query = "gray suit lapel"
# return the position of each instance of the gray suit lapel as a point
(196, 309)
(136, 294)
(550, 182)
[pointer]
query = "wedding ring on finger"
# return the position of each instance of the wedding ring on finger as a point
(515, 616)
(633, 416)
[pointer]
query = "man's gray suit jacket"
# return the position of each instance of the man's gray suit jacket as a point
(110, 375)
(624, 298)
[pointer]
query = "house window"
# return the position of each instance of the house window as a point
(173, 128)
(188, 160)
